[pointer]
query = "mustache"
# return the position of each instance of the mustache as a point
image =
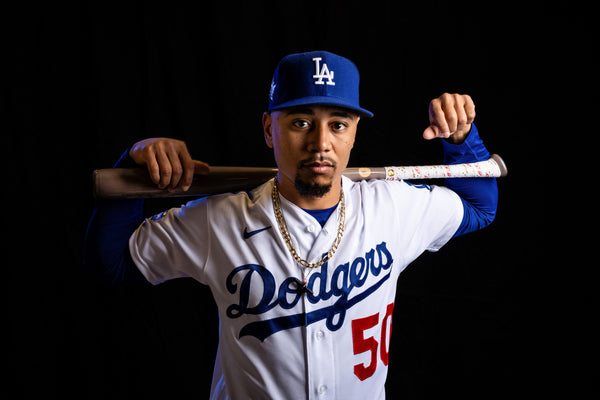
(319, 159)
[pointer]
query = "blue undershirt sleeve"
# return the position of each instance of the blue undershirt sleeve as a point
(479, 196)
(106, 251)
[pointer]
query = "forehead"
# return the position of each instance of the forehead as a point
(321, 111)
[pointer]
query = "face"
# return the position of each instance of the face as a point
(312, 146)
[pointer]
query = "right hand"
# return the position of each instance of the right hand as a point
(168, 161)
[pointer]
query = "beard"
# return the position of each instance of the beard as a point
(311, 189)
(304, 184)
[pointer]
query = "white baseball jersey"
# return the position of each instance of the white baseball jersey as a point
(276, 340)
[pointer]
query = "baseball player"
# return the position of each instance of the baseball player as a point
(303, 268)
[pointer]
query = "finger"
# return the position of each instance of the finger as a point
(188, 170)
(449, 107)
(197, 168)
(164, 169)
(152, 165)
(461, 116)
(437, 117)
(469, 109)
(176, 167)
(201, 168)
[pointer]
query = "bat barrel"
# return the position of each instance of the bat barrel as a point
(123, 183)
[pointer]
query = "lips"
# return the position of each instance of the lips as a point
(320, 169)
(318, 166)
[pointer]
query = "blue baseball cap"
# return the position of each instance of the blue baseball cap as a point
(316, 77)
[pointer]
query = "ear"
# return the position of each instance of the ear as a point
(267, 128)
(355, 131)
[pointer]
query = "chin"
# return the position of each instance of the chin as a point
(312, 188)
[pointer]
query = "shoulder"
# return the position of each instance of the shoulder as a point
(378, 187)
(398, 194)
(253, 198)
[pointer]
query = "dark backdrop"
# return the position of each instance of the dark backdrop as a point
(85, 82)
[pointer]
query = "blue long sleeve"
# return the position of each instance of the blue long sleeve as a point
(478, 195)
(106, 252)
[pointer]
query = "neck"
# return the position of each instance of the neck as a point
(288, 190)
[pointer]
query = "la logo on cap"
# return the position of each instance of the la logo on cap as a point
(322, 73)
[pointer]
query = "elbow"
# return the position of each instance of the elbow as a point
(117, 272)
(485, 217)
(476, 218)
(479, 197)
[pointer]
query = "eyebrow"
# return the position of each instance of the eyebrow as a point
(309, 111)
(299, 110)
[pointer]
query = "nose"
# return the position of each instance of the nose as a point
(319, 139)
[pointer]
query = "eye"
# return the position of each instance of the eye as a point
(301, 123)
(339, 126)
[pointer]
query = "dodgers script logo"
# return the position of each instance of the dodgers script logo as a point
(345, 281)
(322, 72)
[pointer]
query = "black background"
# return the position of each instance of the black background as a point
(484, 317)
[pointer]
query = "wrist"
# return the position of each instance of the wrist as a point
(125, 161)
(471, 149)
(459, 137)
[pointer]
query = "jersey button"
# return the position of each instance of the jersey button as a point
(322, 389)
(320, 335)
(310, 228)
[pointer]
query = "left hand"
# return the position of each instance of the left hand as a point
(450, 116)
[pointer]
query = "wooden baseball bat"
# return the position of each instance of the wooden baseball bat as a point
(135, 182)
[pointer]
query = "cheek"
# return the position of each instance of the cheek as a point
(346, 145)
(280, 149)
(284, 143)
(350, 144)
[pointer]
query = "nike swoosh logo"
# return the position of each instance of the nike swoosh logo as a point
(247, 234)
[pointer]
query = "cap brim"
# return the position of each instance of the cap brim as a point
(322, 100)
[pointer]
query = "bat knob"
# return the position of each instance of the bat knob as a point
(501, 164)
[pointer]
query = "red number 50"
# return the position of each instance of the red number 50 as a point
(361, 344)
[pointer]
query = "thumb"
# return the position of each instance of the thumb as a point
(431, 132)
(201, 168)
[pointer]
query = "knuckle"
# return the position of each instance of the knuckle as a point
(177, 170)
(188, 163)
(446, 96)
(153, 169)
(147, 151)
(175, 144)
(188, 166)
(165, 171)
(456, 99)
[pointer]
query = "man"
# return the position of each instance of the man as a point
(303, 268)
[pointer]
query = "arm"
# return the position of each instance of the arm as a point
(478, 195)
(113, 222)
(106, 251)
(451, 118)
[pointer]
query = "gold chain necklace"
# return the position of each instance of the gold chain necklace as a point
(288, 240)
